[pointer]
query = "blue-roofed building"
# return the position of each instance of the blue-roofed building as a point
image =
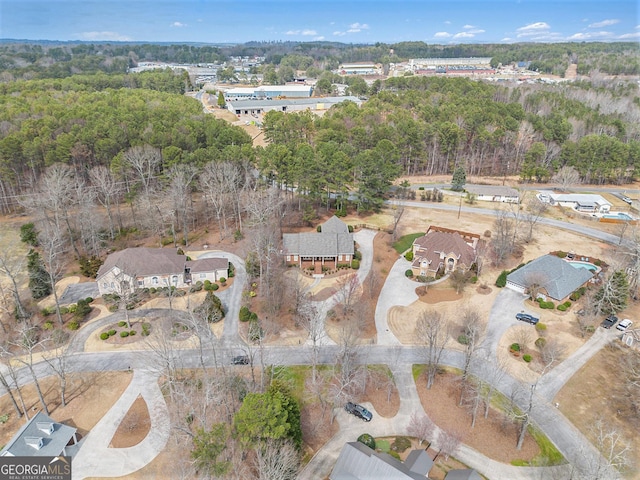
(41, 436)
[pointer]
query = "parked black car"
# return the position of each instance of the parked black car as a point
(240, 360)
(525, 317)
(609, 322)
(359, 411)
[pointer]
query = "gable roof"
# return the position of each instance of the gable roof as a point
(466, 474)
(333, 239)
(435, 242)
(359, 462)
(555, 275)
(501, 190)
(208, 264)
(334, 225)
(141, 261)
(53, 442)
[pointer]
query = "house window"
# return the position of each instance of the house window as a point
(174, 279)
(203, 275)
(105, 285)
(113, 285)
(339, 258)
(140, 283)
(154, 280)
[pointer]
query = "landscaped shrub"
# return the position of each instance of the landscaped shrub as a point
(48, 325)
(501, 281)
(463, 339)
(319, 228)
(526, 357)
(355, 264)
(357, 255)
(73, 325)
(541, 342)
(245, 314)
(408, 273)
(564, 306)
(89, 266)
(232, 270)
(409, 256)
(214, 286)
(48, 311)
(223, 280)
(152, 290)
(88, 299)
(124, 334)
(400, 444)
(561, 254)
(64, 310)
(541, 328)
(546, 305)
(146, 329)
(395, 455)
(104, 336)
(367, 440)
(474, 279)
(132, 332)
(207, 285)
(111, 332)
(514, 347)
(350, 228)
(122, 323)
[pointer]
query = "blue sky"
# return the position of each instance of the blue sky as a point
(348, 21)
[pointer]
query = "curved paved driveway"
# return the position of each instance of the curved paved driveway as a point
(397, 290)
(96, 459)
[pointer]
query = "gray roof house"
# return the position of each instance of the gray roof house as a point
(494, 193)
(156, 267)
(333, 244)
(40, 437)
(556, 276)
(466, 474)
(359, 462)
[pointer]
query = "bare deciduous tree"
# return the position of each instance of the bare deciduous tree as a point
(347, 287)
(566, 177)
(58, 360)
(144, 162)
(420, 426)
(534, 210)
(108, 192)
(29, 343)
(448, 443)
(53, 257)
(277, 460)
(503, 236)
(180, 184)
(12, 267)
(432, 331)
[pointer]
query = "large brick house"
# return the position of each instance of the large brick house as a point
(443, 250)
(156, 267)
(331, 246)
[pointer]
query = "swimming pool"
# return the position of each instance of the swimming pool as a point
(587, 265)
(619, 216)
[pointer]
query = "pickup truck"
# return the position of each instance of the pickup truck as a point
(609, 322)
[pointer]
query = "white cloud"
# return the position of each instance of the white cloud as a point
(318, 38)
(442, 35)
(447, 22)
(534, 27)
(464, 35)
(476, 30)
(507, 39)
(339, 34)
(637, 26)
(604, 23)
(301, 32)
(357, 27)
(590, 36)
(629, 35)
(467, 27)
(115, 36)
(178, 24)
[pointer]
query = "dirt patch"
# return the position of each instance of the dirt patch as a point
(483, 290)
(382, 393)
(596, 392)
(134, 427)
(437, 295)
(89, 396)
(494, 437)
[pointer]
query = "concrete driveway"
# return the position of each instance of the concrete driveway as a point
(96, 459)
(79, 291)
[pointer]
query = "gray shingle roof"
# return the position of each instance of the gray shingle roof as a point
(52, 444)
(502, 190)
(142, 261)
(555, 275)
(208, 264)
(357, 461)
(466, 474)
(334, 239)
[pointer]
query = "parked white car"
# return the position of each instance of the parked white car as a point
(624, 324)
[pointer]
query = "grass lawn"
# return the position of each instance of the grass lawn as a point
(405, 242)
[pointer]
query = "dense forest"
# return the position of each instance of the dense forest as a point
(409, 125)
(63, 59)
